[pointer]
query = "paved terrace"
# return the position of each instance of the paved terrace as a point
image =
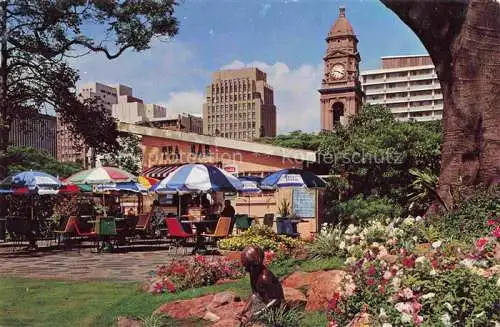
(126, 264)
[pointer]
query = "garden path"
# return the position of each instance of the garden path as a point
(128, 264)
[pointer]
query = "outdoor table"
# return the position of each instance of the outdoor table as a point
(201, 226)
(104, 232)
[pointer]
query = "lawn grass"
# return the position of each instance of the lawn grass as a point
(29, 302)
(40, 303)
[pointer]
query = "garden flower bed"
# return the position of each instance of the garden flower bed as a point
(404, 277)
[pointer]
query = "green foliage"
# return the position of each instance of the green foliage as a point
(130, 156)
(295, 139)
(282, 317)
(423, 190)
(374, 153)
(284, 208)
(262, 236)
(469, 221)
(41, 35)
(359, 211)
(154, 320)
(326, 243)
(24, 158)
(466, 297)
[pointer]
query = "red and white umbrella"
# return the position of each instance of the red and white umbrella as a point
(101, 175)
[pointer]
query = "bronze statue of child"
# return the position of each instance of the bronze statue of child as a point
(266, 288)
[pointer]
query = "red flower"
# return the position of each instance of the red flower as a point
(481, 243)
(408, 262)
(491, 222)
(372, 270)
(370, 281)
(496, 232)
(333, 302)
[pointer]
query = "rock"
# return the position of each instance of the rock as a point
(210, 316)
(299, 279)
(497, 252)
(322, 288)
(222, 299)
(294, 297)
(389, 258)
(187, 308)
(129, 322)
(232, 322)
(224, 281)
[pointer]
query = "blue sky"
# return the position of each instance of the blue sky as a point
(283, 37)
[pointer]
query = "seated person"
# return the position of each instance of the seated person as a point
(228, 210)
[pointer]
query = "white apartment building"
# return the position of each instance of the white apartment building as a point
(407, 85)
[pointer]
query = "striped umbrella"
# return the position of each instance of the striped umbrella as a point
(30, 182)
(147, 182)
(292, 178)
(120, 187)
(101, 175)
(198, 178)
(250, 184)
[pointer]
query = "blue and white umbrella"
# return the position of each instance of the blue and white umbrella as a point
(30, 182)
(120, 187)
(292, 178)
(198, 178)
(250, 184)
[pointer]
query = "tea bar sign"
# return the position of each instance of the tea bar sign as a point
(304, 202)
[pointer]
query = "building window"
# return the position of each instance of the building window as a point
(207, 150)
(193, 148)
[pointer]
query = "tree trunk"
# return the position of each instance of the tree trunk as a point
(463, 39)
(5, 119)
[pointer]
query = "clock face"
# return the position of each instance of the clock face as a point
(338, 71)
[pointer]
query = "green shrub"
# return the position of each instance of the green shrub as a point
(469, 221)
(262, 236)
(327, 243)
(282, 317)
(359, 211)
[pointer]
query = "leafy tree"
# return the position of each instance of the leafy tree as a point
(295, 139)
(374, 153)
(39, 37)
(130, 156)
(24, 158)
(462, 38)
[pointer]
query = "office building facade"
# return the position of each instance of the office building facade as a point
(407, 85)
(38, 132)
(239, 105)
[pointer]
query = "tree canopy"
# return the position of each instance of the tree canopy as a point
(295, 139)
(130, 156)
(24, 158)
(40, 36)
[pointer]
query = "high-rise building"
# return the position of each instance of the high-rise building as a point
(178, 122)
(239, 105)
(38, 132)
(407, 85)
(341, 95)
(119, 101)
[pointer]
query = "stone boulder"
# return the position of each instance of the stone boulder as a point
(322, 288)
(129, 322)
(220, 308)
(300, 279)
(294, 297)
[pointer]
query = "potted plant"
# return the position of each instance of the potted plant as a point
(284, 213)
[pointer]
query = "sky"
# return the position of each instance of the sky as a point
(285, 38)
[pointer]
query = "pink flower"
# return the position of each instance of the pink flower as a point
(332, 323)
(387, 275)
(371, 271)
(370, 282)
(491, 222)
(481, 243)
(408, 262)
(496, 232)
(418, 320)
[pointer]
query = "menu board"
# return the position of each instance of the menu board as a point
(304, 202)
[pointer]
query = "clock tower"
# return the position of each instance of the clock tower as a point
(341, 94)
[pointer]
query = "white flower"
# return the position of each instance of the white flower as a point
(414, 238)
(406, 318)
(408, 293)
(446, 320)
(403, 307)
(428, 296)
(448, 306)
(386, 324)
(387, 275)
(342, 245)
(382, 314)
(408, 221)
(421, 260)
(418, 218)
(498, 282)
(350, 260)
(351, 229)
(396, 282)
(433, 272)
(468, 263)
(436, 244)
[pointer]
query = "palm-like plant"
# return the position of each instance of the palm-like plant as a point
(424, 188)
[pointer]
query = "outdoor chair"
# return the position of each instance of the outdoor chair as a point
(143, 223)
(268, 220)
(69, 227)
(221, 231)
(242, 223)
(177, 233)
(18, 229)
